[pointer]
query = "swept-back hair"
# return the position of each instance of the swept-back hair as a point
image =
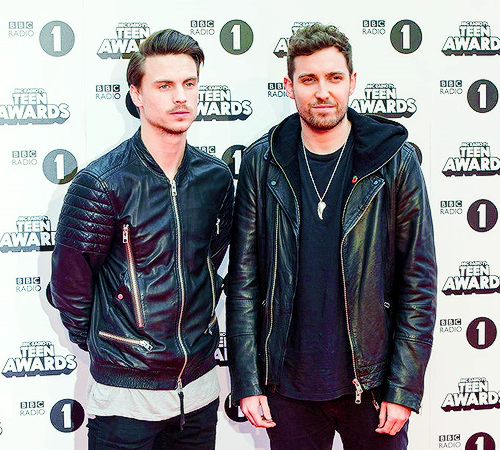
(163, 42)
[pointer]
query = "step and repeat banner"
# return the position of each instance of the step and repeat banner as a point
(433, 66)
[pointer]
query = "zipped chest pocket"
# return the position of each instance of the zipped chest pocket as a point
(126, 341)
(134, 284)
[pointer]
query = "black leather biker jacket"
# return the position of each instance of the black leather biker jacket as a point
(134, 269)
(387, 261)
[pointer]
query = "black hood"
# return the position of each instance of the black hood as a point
(376, 140)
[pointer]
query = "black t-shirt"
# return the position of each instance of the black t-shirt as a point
(318, 363)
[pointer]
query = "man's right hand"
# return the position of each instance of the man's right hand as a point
(256, 410)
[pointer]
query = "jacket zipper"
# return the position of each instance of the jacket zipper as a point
(183, 296)
(213, 317)
(271, 301)
(266, 349)
(128, 341)
(355, 381)
(134, 285)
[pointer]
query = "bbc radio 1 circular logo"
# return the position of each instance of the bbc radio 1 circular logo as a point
(482, 96)
(57, 38)
(233, 411)
(406, 36)
(480, 441)
(67, 415)
(482, 215)
(232, 157)
(481, 333)
(60, 166)
(236, 37)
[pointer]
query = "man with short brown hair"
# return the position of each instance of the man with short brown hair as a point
(332, 273)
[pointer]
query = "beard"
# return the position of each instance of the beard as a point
(172, 127)
(321, 121)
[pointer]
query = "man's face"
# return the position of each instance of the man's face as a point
(168, 96)
(321, 87)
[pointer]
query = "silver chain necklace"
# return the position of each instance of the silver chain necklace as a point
(321, 203)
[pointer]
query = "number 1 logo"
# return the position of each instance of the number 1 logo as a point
(406, 36)
(236, 37)
(482, 96)
(57, 38)
(67, 415)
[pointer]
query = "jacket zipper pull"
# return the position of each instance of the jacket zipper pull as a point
(181, 398)
(359, 390)
(217, 225)
(125, 233)
(174, 188)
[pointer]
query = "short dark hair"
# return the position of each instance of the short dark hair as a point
(163, 42)
(311, 38)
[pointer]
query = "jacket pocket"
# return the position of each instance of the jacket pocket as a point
(125, 341)
(134, 284)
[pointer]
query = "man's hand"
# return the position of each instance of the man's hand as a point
(256, 410)
(392, 418)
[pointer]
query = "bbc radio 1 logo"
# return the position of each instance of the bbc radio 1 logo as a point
(28, 284)
(24, 158)
(478, 441)
(236, 37)
(482, 214)
(221, 351)
(275, 90)
(482, 96)
(32, 408)
(450, 87)
(474, 277)
(108, 92)
(232, 157)
(31, 106)
(281, 48)
(474, 393)
(449, 441)
(450, 325)
(474, 158)
(216, 103)
(21, 29)
(382, 99)
(481, 332)
(373, 27)
(474, 38)
(202, 28)
(128, 37)
(32, 233)
(38, 358)
(450, 207)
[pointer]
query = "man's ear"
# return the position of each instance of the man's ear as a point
(289, 87)
(135, 95)
(353, 77)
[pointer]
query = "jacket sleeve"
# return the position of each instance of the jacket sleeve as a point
(242, 303)
(83, 237)
(415, 286)
(222, 234)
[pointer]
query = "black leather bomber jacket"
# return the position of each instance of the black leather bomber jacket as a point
(387, 261)
(134, 269)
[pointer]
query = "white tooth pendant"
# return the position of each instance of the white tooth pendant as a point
(321, 208)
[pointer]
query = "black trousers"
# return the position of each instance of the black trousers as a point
(311, 425)
(122, 433)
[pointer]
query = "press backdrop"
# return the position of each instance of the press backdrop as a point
(431, 65)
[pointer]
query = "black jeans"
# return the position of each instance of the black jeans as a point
(311, 425)
(122, 433)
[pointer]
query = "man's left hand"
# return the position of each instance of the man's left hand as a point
(392, 418)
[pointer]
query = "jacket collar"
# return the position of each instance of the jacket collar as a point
(147, 158)
(376, 141)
